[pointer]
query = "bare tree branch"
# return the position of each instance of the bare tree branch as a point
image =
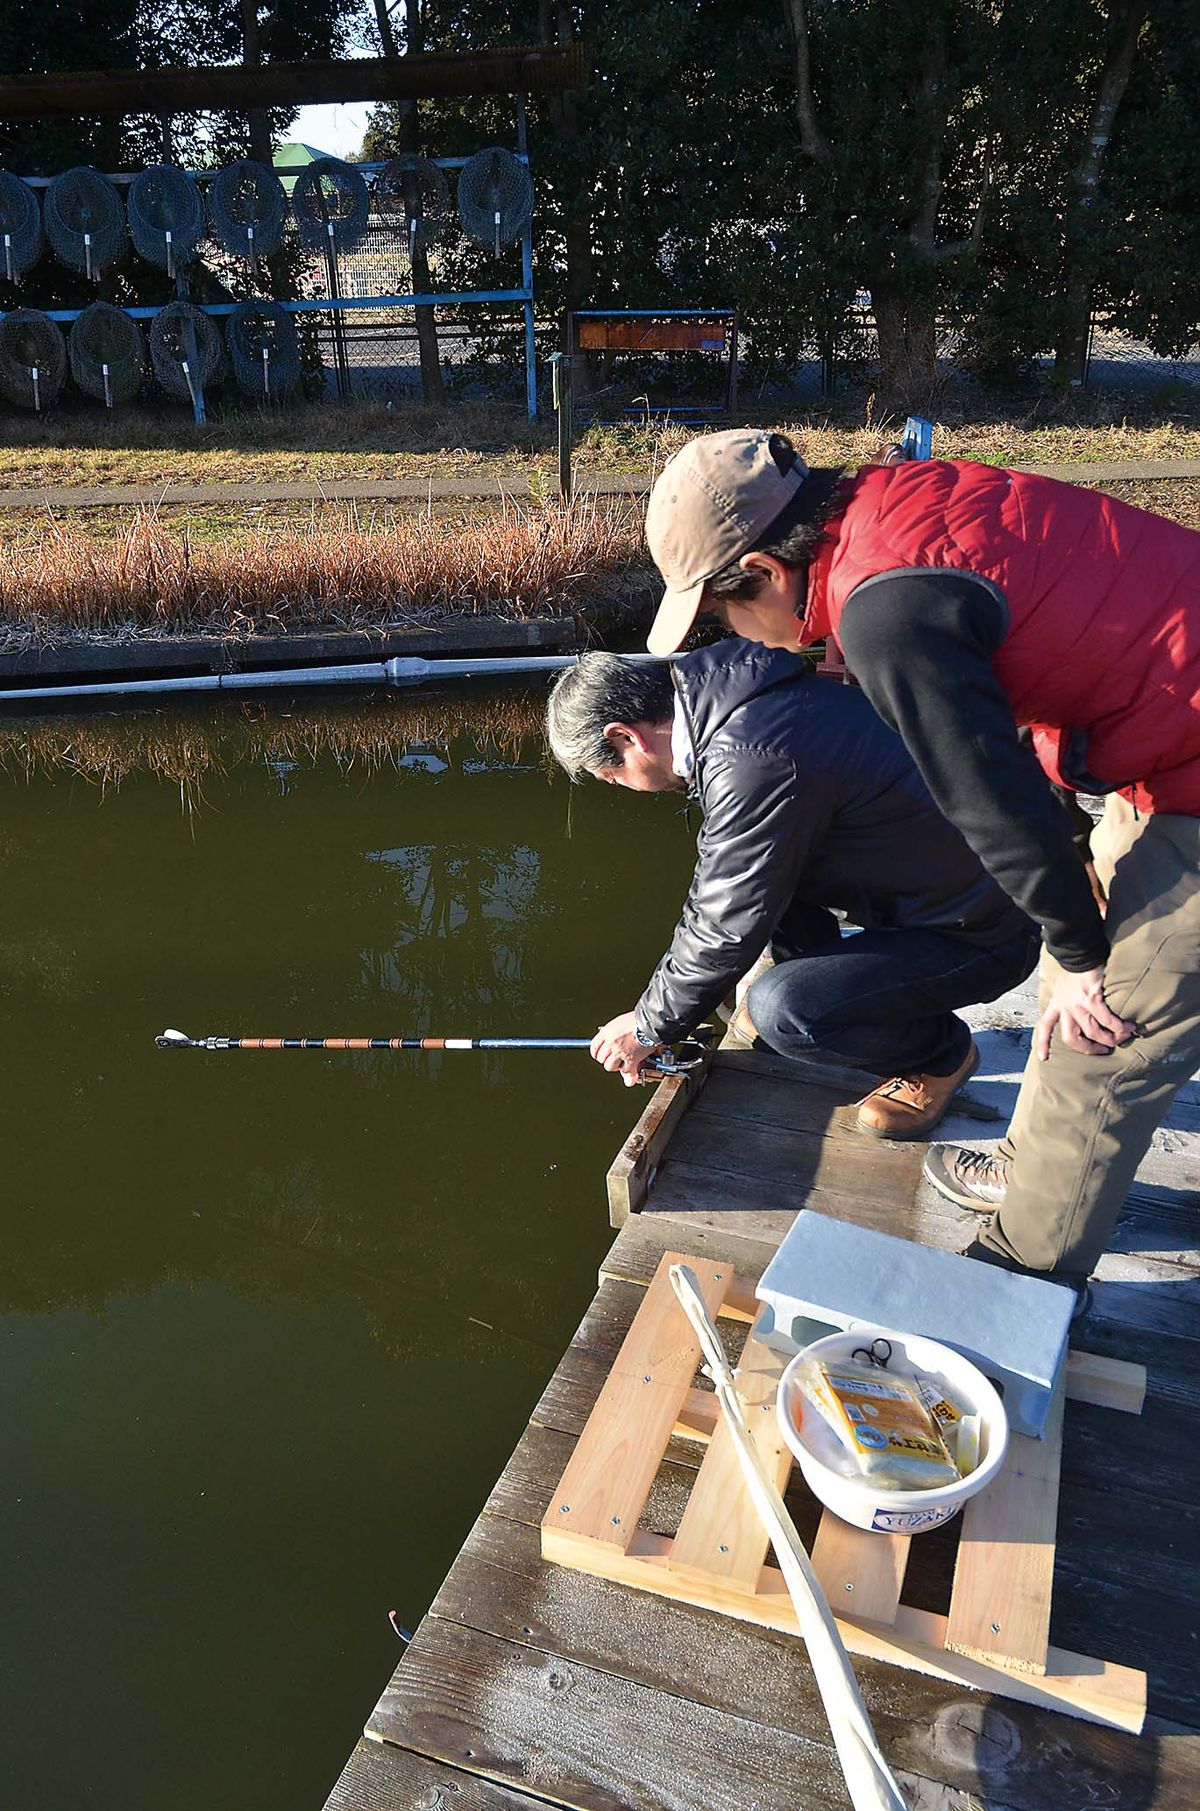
(957, 248)
(812, 140)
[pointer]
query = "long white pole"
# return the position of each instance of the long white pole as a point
(869, 1779)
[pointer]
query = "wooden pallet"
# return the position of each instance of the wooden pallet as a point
(996, 1635)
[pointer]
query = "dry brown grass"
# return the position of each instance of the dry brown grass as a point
(188, 745)
(516, 560)
(161, 447)
(367, 440)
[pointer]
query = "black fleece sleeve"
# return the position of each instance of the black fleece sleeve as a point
(752, 849)
(920, 644)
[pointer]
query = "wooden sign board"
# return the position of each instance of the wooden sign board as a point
(652, 336)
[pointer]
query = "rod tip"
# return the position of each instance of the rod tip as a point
(172, 1040)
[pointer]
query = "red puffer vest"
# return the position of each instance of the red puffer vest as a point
(1102, 655)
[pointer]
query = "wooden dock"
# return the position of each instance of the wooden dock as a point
(529, 1684)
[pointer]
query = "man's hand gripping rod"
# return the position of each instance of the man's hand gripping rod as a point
(678, 1059)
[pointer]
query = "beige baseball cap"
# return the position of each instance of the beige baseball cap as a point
(711, 503)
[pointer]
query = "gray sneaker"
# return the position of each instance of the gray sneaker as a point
(975, 1179)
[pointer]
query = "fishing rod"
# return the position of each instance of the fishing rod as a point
(678, 1059)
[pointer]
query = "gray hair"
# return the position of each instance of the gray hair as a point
(601, 689)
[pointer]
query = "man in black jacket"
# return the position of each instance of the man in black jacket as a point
(811, 806)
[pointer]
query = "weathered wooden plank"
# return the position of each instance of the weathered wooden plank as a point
(837, 1078)
(1077, 1684)
(724, 1203)
(787, 1161)
(501, 1585)
(1000, 1605)
(632, 1170)
(381, 1777)
(775, 1103)
(1143, 1294)
(582, 1737)
(634, 1253)
(1102, 1452)
(1172, 1361)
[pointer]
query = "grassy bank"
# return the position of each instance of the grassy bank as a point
(246, 567)
(361, 440)
(146, 576)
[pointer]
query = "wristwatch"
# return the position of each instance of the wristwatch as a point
(644, 1038)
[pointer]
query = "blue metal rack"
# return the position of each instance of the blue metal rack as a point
(522, 296)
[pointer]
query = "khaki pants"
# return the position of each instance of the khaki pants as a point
(1083, 1123)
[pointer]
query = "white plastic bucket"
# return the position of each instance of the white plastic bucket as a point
(867, 1505)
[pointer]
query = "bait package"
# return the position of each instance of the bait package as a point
(884, 1432)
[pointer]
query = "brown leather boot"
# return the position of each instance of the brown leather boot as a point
(741, 1026)
(909, 1106)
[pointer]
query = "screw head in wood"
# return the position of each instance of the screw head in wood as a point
(564, 1509)
(995, 1628)
(616, 1521)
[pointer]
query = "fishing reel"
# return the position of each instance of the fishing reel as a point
(681, 1058)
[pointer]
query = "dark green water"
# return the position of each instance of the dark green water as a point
(247, 1403)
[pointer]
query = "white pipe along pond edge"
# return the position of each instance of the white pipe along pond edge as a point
(397, 671)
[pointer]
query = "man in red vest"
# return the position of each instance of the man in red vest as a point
(970, 601)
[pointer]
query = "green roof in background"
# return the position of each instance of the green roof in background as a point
(294, 156)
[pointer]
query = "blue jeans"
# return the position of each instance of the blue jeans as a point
(882, 1001)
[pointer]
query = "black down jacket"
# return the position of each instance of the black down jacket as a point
(808, 799)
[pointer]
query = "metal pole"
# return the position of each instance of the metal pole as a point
(191, 370)
(340, 365)
(560, 373)
(733, 365)
(527, 275)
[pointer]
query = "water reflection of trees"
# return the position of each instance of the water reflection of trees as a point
(466, 919)
(398, 1195)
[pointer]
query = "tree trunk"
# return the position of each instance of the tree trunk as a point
(907, 331)
(433, 388)
(555, 27)
(1070, 356)
(253, 41)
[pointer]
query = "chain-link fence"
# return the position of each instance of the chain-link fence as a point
(1118, 361)
(1115, 360)
(379, 344)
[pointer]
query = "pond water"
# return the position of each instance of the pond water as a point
(272, 1322)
